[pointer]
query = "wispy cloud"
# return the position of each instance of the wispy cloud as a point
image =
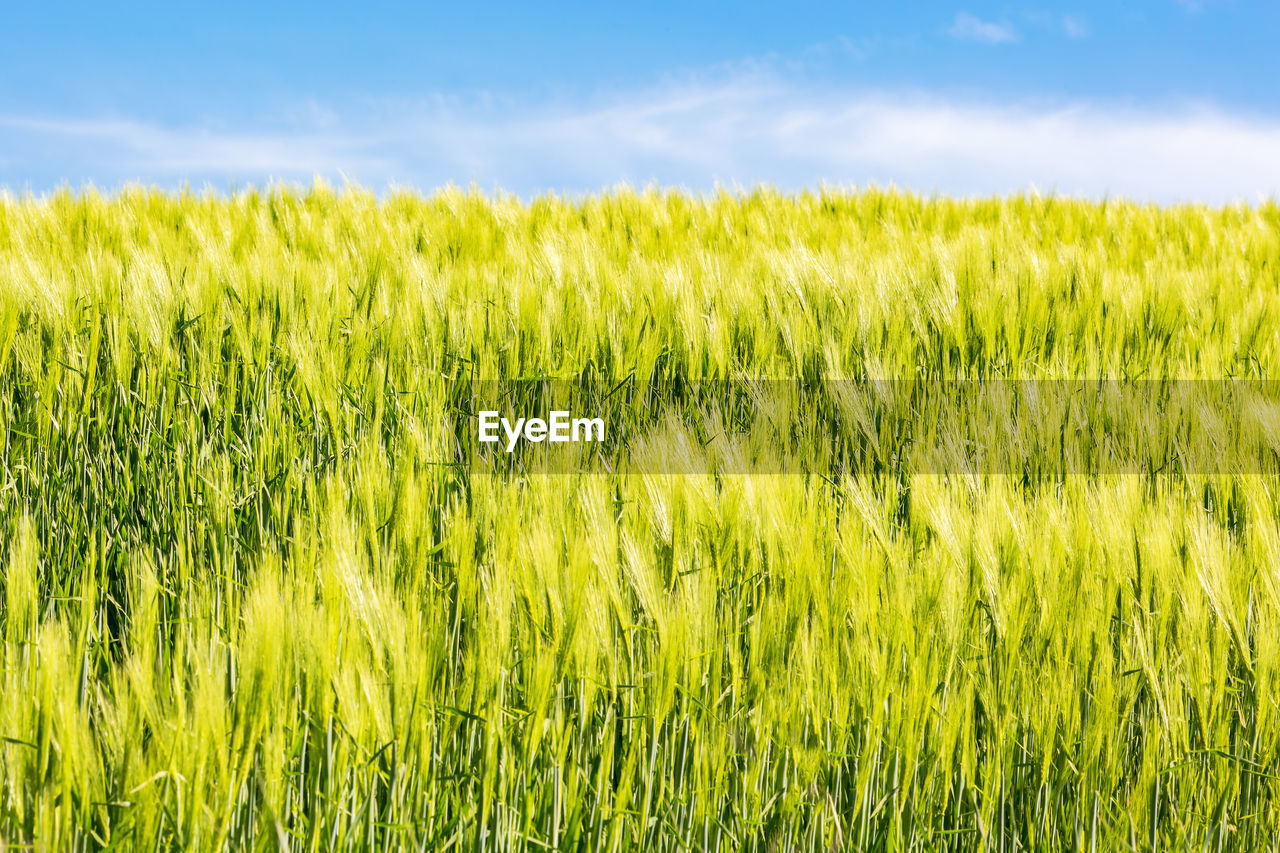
(1074, 27)
(739, 130)
(972, 28)
(150, 148)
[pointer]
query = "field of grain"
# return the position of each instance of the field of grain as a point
(258, 594)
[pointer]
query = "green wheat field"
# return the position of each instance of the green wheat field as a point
(258, 592)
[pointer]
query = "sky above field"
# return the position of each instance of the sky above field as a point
(1153, 100)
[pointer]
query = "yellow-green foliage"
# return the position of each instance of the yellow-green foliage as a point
(249, 601)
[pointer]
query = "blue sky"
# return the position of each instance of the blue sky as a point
(1157, 100)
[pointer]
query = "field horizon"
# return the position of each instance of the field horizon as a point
(496, 194)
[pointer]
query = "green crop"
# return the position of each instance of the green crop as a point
(256, 594)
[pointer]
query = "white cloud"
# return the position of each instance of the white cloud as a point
(1074, 27)
(158, 150)
(740, 130)
(970, 28)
